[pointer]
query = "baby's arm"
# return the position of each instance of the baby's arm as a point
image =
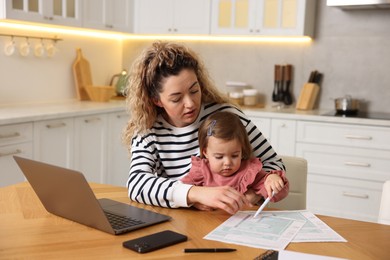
(273, 182)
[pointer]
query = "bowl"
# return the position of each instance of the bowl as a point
(100, 93)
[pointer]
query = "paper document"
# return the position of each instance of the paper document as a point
(273, 230)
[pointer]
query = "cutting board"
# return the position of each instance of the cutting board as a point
(82, 75)
(308, 96)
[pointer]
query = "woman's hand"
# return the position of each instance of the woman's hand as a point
(223, 197)
(273, 183)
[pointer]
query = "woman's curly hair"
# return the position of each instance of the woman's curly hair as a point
(147, 75)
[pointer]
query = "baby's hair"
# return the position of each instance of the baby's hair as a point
(226, 126)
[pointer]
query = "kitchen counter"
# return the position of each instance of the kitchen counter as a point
(20, 113)
(311, 115)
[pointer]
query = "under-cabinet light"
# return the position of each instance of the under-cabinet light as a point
(123, 36)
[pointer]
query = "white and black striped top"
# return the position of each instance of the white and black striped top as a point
(161, 157)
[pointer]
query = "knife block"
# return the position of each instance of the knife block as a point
(308, 96)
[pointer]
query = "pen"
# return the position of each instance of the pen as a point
(264, 204)
(208, 250)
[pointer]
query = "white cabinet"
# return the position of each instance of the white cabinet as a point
(118, 157)
(91, 146)
(347, 166)
(54, 142)
(172, 16)
(263, 17)
(61, 12)
(279, 132)
(14, 140)
(283, 136)
(112, 15)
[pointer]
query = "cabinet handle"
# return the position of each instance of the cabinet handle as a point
(16, 134)
(355, 195)
(56, 125)
(357, 164)
(110, 26)
(359, 137)
(48, 18)
(120, 116)
(91, 120)
(17, 151)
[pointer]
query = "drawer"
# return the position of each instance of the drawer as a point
(344, 135)
(13, 134)
(355, 163)
(344, 198)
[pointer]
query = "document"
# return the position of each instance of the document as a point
(268, 232)
(273, 229)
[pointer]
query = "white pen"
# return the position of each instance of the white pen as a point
(264, 204)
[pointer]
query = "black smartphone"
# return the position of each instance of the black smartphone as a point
(154, 241)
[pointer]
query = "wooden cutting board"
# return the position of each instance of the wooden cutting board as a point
(82, 75)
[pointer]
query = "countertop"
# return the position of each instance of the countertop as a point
(21, 113)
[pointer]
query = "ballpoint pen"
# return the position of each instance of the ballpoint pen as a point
(208, 250)
(264, 204)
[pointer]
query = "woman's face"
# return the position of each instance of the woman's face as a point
(224, 156)
(181, 98)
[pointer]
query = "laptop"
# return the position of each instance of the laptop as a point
(66, 193)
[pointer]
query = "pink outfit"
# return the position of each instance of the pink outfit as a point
(249, 176)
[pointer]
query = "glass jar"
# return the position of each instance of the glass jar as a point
(250, 97)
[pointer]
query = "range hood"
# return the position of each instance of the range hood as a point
(359, 4)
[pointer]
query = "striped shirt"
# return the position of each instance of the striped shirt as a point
(163, 156)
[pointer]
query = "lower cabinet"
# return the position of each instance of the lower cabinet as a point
(14, 140)
(54, 142)
(347, 166)
(90, 144)
(118, 157)
(279, 132)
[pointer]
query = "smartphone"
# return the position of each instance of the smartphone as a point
(154, 241)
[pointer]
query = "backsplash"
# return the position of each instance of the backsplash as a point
(351, 48)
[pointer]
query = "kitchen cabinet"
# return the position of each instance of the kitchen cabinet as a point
(172, 16)
(279, 132)
(283, 136)
(111, 15)
(347, 166)
(60, 12)
(263, 17)
(118, 157)
(54, 142)
(90, 153)
(15, 139)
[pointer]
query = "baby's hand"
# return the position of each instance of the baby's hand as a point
(273, 183)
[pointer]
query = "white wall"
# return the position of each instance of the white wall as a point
(32, 79)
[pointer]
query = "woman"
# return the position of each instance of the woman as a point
(169, 95)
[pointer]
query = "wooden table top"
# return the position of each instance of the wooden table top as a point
(27, 230)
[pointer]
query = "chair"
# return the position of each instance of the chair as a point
(296, 172)
(384, 210)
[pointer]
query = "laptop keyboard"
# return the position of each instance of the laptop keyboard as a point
(119, 222)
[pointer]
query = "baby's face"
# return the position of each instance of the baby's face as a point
(224, 156)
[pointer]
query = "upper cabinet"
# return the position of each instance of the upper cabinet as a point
(60, 12)
(263, 17)
(112, 15)
(172, 16)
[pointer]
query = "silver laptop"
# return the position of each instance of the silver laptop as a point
(66, 193)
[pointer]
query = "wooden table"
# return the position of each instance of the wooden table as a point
(27, 230)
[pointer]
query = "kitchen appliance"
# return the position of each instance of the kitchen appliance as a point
(360, 114)
(359, 4)
(347, 105)
(121, 82)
